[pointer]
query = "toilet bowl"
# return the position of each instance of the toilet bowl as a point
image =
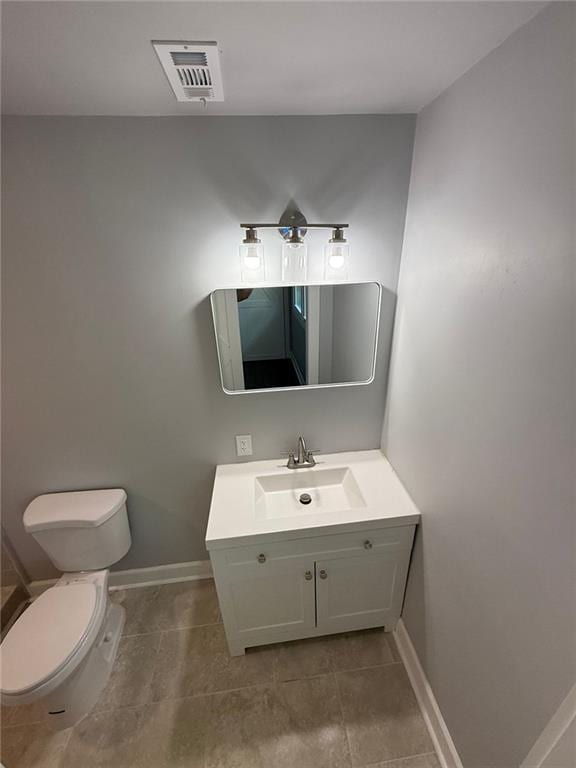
(61, 650)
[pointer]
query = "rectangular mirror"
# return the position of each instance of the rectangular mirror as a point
(283, 337)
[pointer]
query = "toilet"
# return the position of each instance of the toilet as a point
(60, 651)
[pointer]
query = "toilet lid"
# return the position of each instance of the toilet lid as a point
(46, 636)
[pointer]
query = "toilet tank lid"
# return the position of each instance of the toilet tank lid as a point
(78, 509)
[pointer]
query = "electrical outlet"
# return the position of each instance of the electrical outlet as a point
(244, 445)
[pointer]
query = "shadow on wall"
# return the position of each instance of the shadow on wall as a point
(238, 178)
(415, 593)
(155, 526)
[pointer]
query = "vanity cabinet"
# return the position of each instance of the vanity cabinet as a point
(277, 590)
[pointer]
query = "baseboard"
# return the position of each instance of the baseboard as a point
(161, 574)
(144, 577)
(435, 723)
(558, 738)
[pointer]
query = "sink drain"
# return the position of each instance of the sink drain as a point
(305, 498)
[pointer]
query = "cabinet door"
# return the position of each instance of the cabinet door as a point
(270, 600)
(361, 591)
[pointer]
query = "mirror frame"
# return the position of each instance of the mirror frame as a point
(303, 387)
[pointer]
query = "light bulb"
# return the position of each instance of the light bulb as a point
(294, 262)
(336, 260)
(252, 265)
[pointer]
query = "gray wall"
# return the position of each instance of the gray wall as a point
(114, 232)
(481, 418)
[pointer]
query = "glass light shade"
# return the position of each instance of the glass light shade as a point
(336, 261)
(252, 265)
(294, 262)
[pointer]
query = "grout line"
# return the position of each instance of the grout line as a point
(362, 669)
(254, 686)
(397, 760)
(192, 626)
(171, 629)
(172, 699)
(25, 724)
(66, 743)
(124, 636)
(342, 718)
(317, 676)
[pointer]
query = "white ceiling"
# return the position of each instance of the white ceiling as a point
(95, 58)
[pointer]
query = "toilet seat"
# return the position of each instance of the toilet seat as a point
(50, 639)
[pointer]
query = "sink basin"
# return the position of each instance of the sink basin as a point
(324, 490)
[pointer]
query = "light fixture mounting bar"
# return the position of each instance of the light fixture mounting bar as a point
(307, 226)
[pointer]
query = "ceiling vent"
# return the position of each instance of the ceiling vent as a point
(192, 69)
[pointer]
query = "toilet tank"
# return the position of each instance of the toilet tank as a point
(80, 530)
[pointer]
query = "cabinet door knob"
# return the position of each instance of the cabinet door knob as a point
(367, 544)
(323, 574)
(261, 558)
(308, 575)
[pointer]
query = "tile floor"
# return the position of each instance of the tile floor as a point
(176, 699)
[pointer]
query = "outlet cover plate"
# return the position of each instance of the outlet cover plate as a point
(244, 445)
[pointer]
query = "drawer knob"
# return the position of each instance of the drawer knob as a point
(367, 544)
(308, 575)
(323, 574)
(261, 558)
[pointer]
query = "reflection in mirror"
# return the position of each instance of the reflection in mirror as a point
(296, 336)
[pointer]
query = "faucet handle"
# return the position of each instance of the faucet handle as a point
(309, 457)
(291, 460)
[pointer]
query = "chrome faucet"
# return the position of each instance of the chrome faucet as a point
(305, 456)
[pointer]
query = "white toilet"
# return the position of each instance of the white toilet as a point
(61, 650)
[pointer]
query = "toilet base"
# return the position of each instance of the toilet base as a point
(75, 698)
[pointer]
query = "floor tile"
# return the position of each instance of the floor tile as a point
(236, 740)
(302, 658)
(170, 606)
(291, 724)
(196, 661)
(381, 715)
(139, 605)
(393, 647)
(334, 653)
(33, 746)
(174, 734)
(420, 761)
(166, 735)
(189, 604)
(106, 740)
(130, 683)
(313, 733)
(24, 715)
(356, 650)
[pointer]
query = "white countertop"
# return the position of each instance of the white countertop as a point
(233, 520)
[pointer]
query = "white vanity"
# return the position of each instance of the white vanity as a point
(312, 551)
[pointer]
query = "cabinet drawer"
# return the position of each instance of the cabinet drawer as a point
(374, 540)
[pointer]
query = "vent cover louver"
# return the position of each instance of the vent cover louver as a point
(192, 69)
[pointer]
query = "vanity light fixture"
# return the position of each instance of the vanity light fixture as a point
(293, 227)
